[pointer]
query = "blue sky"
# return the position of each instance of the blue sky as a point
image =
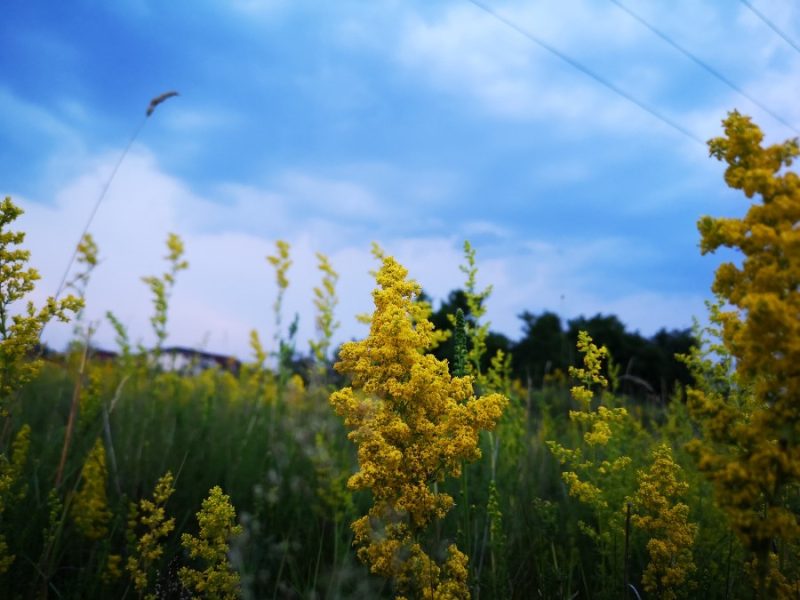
(414, 124)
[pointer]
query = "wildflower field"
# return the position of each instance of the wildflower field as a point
(411, 463)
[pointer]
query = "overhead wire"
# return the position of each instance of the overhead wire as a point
(705, 65)
(771, 25)
(587, 71)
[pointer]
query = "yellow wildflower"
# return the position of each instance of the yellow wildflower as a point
(666, 520)
(19, 334)
(112, 571)
(10, 476)
(750, 450)
(147, 548)
(161, 288)
(597, 425)
(596, 469)
(413, 424)
(216, 518)
(89, 507)
(325, 301)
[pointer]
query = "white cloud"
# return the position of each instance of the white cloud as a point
(344, 199)
(465, 52)
(572, 279)
(481, 228)
(196, 120)
(229, 287)
(34, 119)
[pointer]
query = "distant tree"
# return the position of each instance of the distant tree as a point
(441, 321)
(669, 371)
(455, 299)
(543, 348)
(608, 331)
(648, 368)
(647, 365)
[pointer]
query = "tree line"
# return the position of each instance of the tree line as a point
(647, 366)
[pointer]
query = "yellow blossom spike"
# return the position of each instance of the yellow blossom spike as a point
(217, 519)
(89, 508)
(413, 424)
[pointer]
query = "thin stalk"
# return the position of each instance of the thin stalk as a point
(319, 558)
(728, 567)
(112, 457)
(73, 413)
(280, 569)
(626, 567)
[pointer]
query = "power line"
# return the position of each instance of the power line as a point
(587, 71)
(771, 25)
(705, 65)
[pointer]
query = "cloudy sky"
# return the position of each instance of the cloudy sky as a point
(414, 124)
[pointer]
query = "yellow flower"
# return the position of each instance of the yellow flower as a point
(666, 520)
(112, 571)
(19, 334)
(596, 470)
(325, 301)
(413, 424)
(597, 426)
(217, 519)
(10, 488)
(89, 507)
(147, 547)
(747, 404)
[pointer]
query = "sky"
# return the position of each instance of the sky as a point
(417, 125)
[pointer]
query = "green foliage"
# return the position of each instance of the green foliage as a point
(217, 520)
(747, 404)
(19, 331)
(281, 262)
(161, 288)
(460, 346)
(146, 548)
(126, 357)
(325, 301)
(477, 332)
(12, 489)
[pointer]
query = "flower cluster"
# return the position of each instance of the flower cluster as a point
(414, 424)
(281, 262)
(217, 519)
(325, 301)
(10, 488)
(89, 508)
(597, 425)
(19, 334)
(666, 521)
(146, 548)
(751, 452)
(86, 256)
(161, 288)
(598, 469)
(476, 304)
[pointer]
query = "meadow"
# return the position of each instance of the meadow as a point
(379, 470)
